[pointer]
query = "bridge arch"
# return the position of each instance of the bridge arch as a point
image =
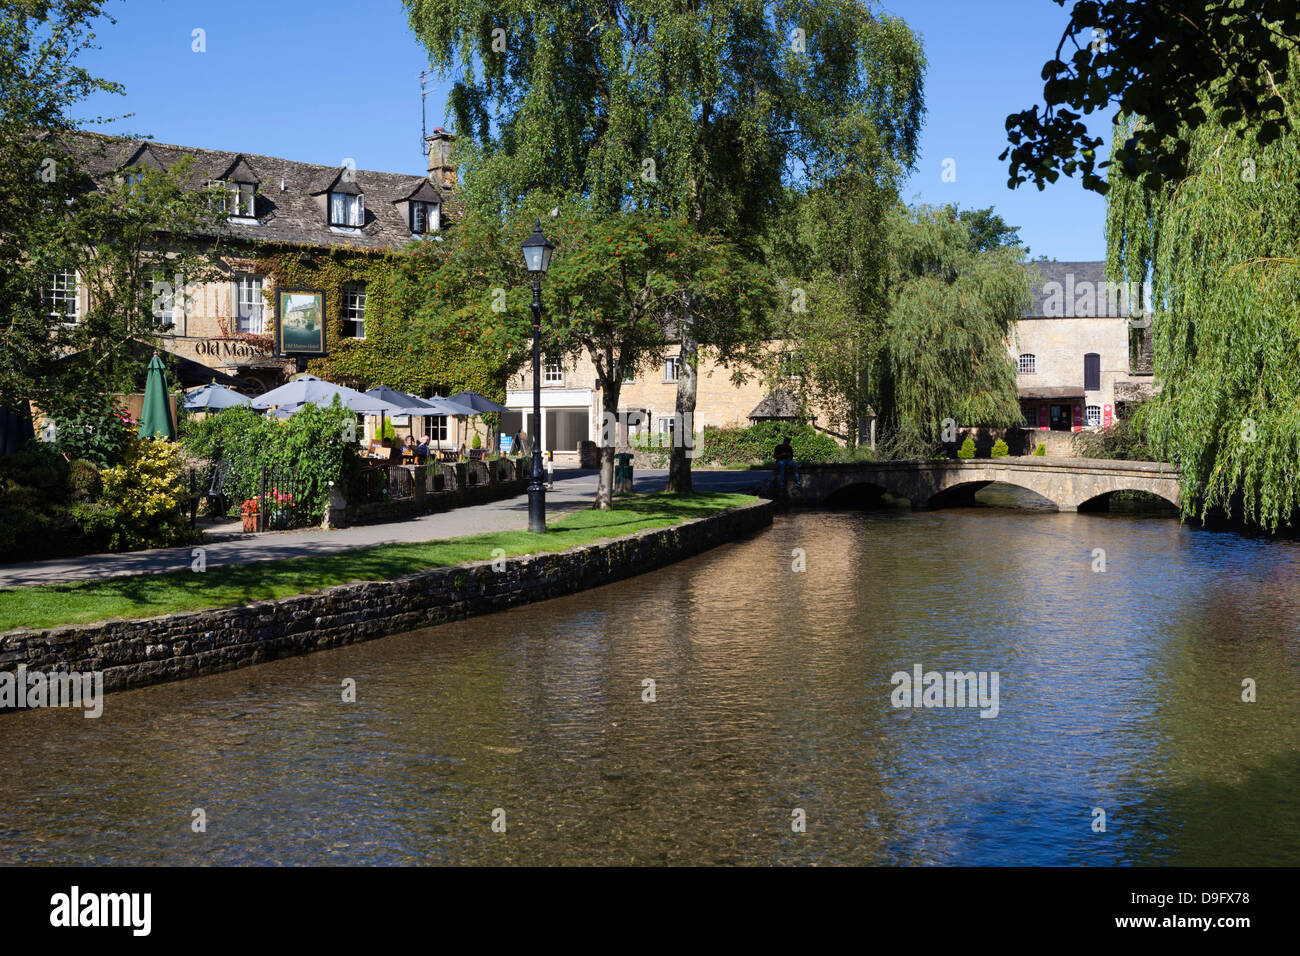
(962, 493)
(1101, 500)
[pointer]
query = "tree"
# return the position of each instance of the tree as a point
(1221, 247)
(40, 83)
(128, 241)
(987, 229)
(137, 242)
(615, 285)
(909, 319)
(951, 311)
(701, 111)
(1173, 64)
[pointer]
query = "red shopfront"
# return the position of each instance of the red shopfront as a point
(1053, 409)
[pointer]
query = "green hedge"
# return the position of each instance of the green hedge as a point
(735, 446)
(319, 445)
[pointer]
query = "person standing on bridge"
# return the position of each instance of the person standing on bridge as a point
(784, 455)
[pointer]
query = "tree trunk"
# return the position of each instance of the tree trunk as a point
(608, 439)
(679, 465)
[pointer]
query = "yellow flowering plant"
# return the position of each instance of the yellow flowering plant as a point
(147, 493)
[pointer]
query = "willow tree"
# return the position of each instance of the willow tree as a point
(1221, 245)
(699, 110)
(952, 308)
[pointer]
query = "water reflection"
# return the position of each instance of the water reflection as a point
(1119, 690)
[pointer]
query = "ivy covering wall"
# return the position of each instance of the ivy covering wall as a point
(387, 355)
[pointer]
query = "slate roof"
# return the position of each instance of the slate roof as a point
(1067, 278)
(292, 214)
(778, 404)
(1041, 274)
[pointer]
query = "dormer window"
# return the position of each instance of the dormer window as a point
(242, 201)
(236, 200)
(134, 177)
(424, 217)
(347, 209)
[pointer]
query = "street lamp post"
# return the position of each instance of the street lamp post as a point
(537, 257)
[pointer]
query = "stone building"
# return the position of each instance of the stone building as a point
(1072, 348)
(228, 326)
(572, 406)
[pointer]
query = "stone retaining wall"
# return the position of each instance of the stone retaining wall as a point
(175, 646)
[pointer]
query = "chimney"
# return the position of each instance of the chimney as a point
(442, 165)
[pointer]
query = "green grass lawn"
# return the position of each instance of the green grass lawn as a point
(146, 595)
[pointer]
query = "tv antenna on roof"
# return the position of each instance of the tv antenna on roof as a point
(424, 135)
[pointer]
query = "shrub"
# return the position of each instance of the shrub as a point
(477, 442)
(84, 481)
(967, 449)
(734, 446)
(146, 492)
(1000, 449)
(313, 444)
(36, 476)
(96, 430)
(1041, 449)
(1121, 441)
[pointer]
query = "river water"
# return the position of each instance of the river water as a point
(1120, 692)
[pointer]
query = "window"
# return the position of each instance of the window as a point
(236, 200)
(789, 365)
(133, 179)
(249, 304)
(1030, 415)
(1027, 364)
(1091, 372)
(629, 374)
(438, 431)
(347, 210)
(425, 217)
(241, 201)
(168, 294)
(671, 368)
(354, 311)
(59, 297)
(666, 427)
(1092, 415)
(552, 374)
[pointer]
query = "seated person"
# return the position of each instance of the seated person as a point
(784, 455)
(422, 450)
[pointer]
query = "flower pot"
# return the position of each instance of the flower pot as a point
(250, 522)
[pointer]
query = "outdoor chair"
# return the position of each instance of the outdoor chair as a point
(447, 456)
(476, 454)
(216, 494)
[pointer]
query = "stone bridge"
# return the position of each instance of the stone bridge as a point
(1071, 484)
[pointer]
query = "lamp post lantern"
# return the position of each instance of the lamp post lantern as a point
(537, 257)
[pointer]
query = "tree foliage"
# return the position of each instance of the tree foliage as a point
(1222, 249)
(711, 111)
(1176, 64)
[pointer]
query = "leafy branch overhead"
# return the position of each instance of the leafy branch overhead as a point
(1174, 65)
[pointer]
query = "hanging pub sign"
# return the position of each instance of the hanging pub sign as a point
(1107, 416)
(1078, 418)
(300, 322)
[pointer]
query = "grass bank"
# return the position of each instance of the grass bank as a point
(147, 595)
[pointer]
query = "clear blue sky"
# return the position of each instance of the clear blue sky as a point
(323, 80)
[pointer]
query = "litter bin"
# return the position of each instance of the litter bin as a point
(588, 455)
(623, 472)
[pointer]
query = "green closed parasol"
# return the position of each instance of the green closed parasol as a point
(156, 415)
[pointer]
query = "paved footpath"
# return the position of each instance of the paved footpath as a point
(573, 490)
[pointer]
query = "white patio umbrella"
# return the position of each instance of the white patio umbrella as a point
(310, 389)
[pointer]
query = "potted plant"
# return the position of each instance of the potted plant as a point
(250, 510)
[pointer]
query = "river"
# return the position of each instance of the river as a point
(1119, 693)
